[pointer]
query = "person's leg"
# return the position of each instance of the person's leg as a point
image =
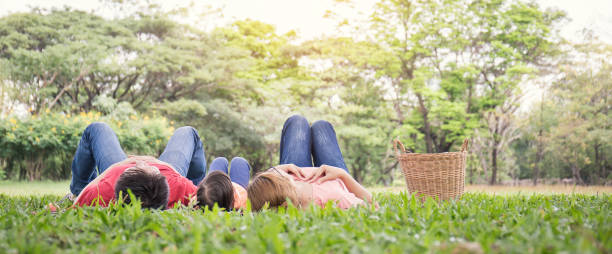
(185, 153)
(219, 163)
(99, 148)
(295, 142)
(240, 171)
(325, 149)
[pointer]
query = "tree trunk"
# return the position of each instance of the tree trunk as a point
(426, 128)
(599, 162)
(397, 104)
(357, 173)
(539, 152)
(471, 175)
(443, 146)
(493, 164)
(576, 174)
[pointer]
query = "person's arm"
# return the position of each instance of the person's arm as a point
(326, 173)
(291, 169)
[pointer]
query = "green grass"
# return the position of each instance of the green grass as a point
(22, 188)
(12, 188)
(479, 222)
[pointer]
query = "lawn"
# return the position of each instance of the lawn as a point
(518, 222)
(12, 188)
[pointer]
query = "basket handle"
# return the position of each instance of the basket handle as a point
(465, 145)
(395, 143)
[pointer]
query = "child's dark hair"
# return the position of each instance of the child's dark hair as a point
(216, 188)
(151, 189)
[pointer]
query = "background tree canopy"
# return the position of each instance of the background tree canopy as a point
(431, 73)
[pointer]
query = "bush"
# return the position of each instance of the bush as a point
(42, 147)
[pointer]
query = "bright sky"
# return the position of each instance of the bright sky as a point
(307, 16)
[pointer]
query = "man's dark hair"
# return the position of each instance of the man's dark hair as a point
(216, 188)
(150, 188)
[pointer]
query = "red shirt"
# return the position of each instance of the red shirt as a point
(181, 189)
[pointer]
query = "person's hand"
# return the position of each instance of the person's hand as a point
(326, 173)
(292, 169)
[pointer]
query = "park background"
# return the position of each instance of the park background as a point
(527, 85)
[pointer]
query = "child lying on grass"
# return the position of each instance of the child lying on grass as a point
(228, 192)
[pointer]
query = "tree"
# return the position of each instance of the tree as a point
(68, 58)
(581, 140)
(345, 92)
(565, 135)
(270, 55)
(536, 136)
(456, 65)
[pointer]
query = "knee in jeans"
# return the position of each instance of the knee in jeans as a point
(97, 126)
(297, 119)
(221, 160)
(186, 130)
(240, 160)
(219, 163)
(322, 124)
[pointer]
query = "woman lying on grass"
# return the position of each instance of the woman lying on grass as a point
(297, 180)
(158, 183)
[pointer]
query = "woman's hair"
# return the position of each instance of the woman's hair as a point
(271, 188)
(216, 188)
(150, 188)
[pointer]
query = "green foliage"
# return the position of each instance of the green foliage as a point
(41, 147)
(573, 119)
(187, 112)
(269, 57)
(222, 130)
(475, 224)
(68, 58)
(344, 92)
(453, 63)
(430, 73)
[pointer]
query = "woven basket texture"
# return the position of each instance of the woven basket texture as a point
(440, 175)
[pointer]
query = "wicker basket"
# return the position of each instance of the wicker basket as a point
(440, 175)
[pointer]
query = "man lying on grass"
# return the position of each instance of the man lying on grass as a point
(297, 179)
(158, 183)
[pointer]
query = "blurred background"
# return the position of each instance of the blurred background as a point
(527, 82)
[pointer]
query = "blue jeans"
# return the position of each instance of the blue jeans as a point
(99, 148)
(185, 153)
(239, 169)
(302, 144)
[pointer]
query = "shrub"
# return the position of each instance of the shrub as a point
(41, 147)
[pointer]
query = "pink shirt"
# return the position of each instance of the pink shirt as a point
(333, 190)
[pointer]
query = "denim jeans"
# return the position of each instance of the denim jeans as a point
(239, 169)
(99, 148)
(302, 144)
(185, 153)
